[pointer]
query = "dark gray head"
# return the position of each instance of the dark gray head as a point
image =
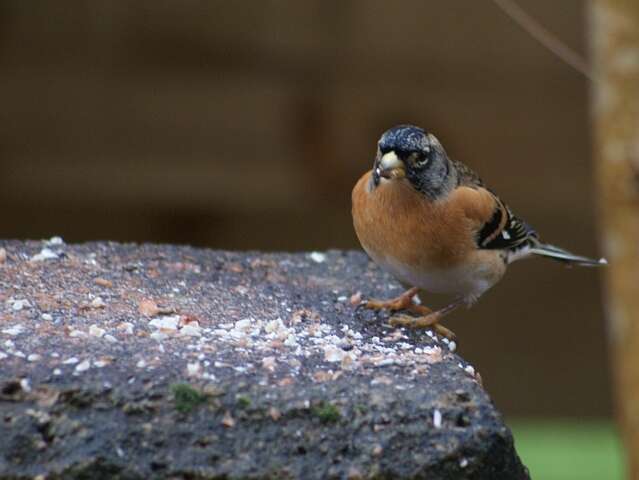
(410, 152)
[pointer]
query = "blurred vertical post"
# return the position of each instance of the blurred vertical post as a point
(615, 44)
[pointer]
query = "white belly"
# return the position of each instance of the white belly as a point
(468, 280)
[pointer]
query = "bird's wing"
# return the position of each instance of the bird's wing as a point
(496, 227)
(504, 230)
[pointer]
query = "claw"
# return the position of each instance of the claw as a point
(426, 319)
(426, 322)
(360, 306)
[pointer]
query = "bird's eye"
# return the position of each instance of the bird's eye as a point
(420, 160)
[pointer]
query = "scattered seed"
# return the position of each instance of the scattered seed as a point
(14, 331)
(227, 420)
(45, 254)
(148, 308)
(103, 282)
(83, 366)
(96, 331)
(97, 302)
(318, 257)
(437, 418)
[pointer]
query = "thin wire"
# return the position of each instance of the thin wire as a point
(544, 36)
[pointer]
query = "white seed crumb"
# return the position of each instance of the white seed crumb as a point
(13, 331)
(463, 463)
(470, 370)
(159, 336)
(168, 323)
(47, 317)
(141, 364)
(269, 363)
(83, 366)
(237, 334)
(45, 254)
(57, 372)
(96, 331)
(452, 346)
(20, 304)
(191, 330)
(77, 334)
(245, 324)
(25, 384)
(97, 302)
(71, 361)
(110, 338)
(127, 327)
(275, 326)
(318, 257)
(333, 353)
(34, 357)
(3, 355)
(437, 419)
(55, 241)
(385, 362)
(193, 369)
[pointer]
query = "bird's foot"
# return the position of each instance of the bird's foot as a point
(429, 321)
(403, 302)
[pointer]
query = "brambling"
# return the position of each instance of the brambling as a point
(430, 222)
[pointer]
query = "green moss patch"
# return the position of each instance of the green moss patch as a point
(327, 413)
(186, 397)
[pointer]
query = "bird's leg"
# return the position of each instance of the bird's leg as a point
(427, 318)
(430, 319)
(403, 302)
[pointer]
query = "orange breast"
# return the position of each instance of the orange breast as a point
(394, 220)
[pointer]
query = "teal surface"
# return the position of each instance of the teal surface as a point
(569, 450)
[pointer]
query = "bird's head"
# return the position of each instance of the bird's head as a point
(411, 153)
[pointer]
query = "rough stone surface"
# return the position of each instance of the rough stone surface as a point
(156, 361)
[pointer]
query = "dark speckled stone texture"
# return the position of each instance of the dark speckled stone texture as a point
(279, 375)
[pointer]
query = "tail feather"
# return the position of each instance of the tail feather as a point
(561, 255)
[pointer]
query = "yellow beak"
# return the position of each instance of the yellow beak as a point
(390, 166)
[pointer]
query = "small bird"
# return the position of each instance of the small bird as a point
(430, 222)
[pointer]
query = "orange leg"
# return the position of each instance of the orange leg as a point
(403, 302)
(427, 319)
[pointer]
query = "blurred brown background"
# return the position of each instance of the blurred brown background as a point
(245, 124)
